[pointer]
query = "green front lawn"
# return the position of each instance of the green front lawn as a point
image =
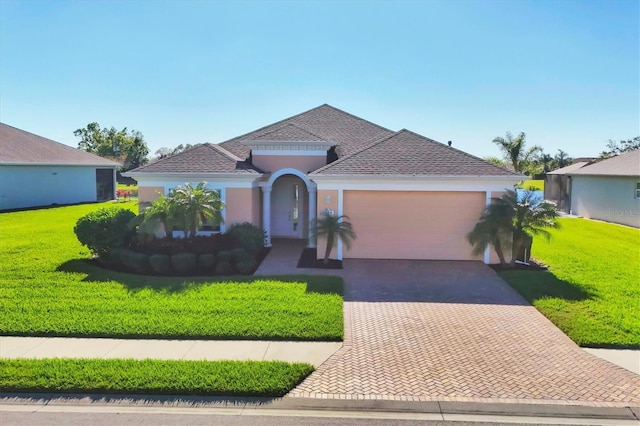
(537, 185)
(228, 378)
(48, 289)
(592, 288)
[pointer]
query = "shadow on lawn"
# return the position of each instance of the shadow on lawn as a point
(135, 282)
(534, 285)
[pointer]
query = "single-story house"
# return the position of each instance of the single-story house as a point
(36, 171)
(407, 196)
(608, 190)
(557, 185)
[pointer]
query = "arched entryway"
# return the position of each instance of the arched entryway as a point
(288, 205)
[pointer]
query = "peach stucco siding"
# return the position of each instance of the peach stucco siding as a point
(412, 224)
(304, 163)
(147, 194)
(242, 205)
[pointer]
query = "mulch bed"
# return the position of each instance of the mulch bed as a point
(534, 265)
(308, 259)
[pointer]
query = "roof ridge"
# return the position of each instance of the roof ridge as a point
(289, 124)
(222, 151)
(371, 145)
(355, 116)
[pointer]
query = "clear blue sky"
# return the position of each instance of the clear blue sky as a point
(565, 72)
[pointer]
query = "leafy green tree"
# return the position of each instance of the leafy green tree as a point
(194, 206)
(126, 147)
(509, 222)
(496, 161)
(166, 152)
(623, 146)
(333, 229)
(516, 155)
(562, 159)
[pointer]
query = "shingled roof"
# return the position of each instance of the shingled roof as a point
(205, 158)
(622, 165)
(351, 133)
(410, 154)
(21, 147)
(287, 133)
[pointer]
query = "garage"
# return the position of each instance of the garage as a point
(412, 224)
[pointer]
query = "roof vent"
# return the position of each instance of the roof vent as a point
(449, 143)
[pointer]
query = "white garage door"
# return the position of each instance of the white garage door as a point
(412, 225)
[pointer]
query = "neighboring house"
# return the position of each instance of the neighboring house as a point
(407, 196)
(36, 171)
(608, 190)
(557, 185)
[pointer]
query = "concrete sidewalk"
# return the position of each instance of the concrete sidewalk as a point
(314, 353)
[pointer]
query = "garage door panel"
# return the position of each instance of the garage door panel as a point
(412, 225)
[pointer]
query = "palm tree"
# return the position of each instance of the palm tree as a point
(562, 158)
(194, 206)
(510, 222)
(161, 210)
(547, 162)
(514, 151)
(334, 229)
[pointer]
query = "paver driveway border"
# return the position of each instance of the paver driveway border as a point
(456, 332)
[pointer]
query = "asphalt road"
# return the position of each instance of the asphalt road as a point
(10, 418)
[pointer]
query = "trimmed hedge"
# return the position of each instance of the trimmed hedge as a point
(160, 263)
(183, 262)
(105, 229)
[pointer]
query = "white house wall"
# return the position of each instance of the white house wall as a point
(607, 198)
(33, 186)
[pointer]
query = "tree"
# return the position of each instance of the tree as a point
(195, 206)
(496, 161)
(562, 159)
(333, 229)
(126, 147)
(166, 152)
(161, 211)
(547, 162)
(513, 149)
(510, 221)
(616, 148)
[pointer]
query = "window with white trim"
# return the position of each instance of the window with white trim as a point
(637, 190)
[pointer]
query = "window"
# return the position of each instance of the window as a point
(638, 191)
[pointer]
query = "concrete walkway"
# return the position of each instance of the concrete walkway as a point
(314, 353)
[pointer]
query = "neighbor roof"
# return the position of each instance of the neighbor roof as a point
(568, 169)
(205, 158)
(21, 147)
(622, 165)
(408, 153)
(351, 133)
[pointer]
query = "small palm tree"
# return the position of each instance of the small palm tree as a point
(509, 222)
(514, 151)
(194, 206)
(333, 229)
(161, 210)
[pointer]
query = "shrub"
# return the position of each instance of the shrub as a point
(238, 254)
(183, 262)
(137, 262)
(246, 236)
(246, 266)
(224, 256)
(223, 268)
(160, 263)
(206, 262)
(105, 229)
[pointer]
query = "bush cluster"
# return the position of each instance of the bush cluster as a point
(110, 237)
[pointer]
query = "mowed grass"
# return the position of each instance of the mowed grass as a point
(538, 184)
(592, 289)
(229, 378)
(48, 289)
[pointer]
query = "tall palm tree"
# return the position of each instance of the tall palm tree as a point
(333, 229)
(562, 158)
(547, 162)
(509, 222)
(194, 206)
(514, 151)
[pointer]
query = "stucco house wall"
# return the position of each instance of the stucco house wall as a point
(304, 163)
(608, 198)
(24, 186)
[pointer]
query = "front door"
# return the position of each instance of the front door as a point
(285, 213)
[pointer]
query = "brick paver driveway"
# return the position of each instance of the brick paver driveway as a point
(454, 331)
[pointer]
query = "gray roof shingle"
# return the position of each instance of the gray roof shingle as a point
(622, 165)
(351, 133)
(289, 133)
(205, 158)
(21, 147)
(410, 154)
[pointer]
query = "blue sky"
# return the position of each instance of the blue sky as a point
(565, 72)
